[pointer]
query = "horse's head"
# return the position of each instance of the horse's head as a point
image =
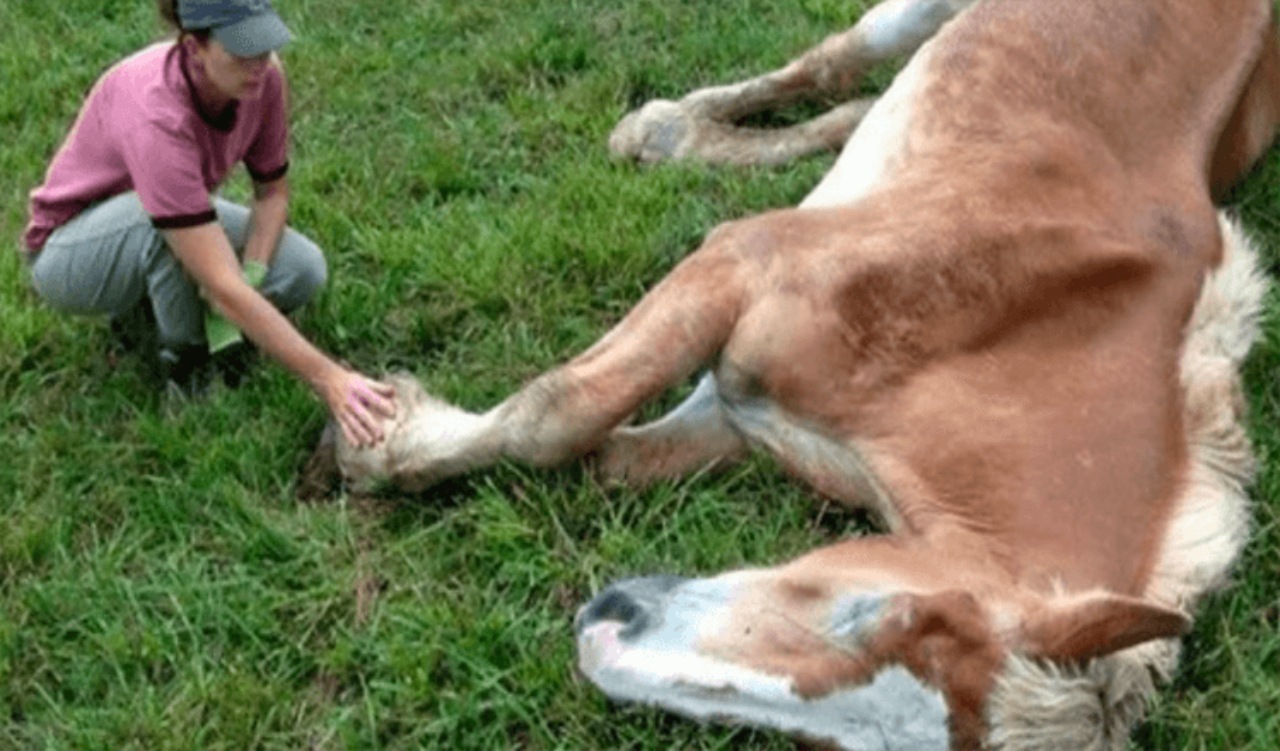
(841, 646)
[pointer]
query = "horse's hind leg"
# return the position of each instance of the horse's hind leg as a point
(701, 125)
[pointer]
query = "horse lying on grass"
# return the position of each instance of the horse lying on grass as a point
(1009, 321)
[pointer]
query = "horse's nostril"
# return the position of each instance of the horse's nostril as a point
(613, 605)
(634, 603)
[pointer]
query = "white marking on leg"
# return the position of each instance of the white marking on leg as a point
(898, 27)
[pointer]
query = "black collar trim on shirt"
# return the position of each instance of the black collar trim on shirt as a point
(225, 120)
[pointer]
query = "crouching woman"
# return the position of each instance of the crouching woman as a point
(128, 214)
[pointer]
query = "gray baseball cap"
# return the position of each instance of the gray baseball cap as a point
(246, 28)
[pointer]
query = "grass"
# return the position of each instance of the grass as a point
(160, 588)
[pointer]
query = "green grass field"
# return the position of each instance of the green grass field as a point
(160, 586)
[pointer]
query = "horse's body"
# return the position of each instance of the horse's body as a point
(1009, 321)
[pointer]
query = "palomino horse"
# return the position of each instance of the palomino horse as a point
(1009, 321)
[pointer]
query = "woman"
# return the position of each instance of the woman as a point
(127, 212)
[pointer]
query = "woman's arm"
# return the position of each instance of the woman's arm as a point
(268, 214)
(357, 403)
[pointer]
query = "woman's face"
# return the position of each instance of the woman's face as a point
(233, 77)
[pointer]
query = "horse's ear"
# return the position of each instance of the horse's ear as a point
(1098, 624)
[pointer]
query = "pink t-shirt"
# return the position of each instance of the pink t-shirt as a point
(142, 129)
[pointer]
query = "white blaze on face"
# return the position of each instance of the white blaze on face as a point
(660, 664)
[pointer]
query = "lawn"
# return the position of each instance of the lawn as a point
(162, 588)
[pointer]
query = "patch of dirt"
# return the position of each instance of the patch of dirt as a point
(319, 478)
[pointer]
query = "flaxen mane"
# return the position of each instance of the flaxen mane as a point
(1043, 706)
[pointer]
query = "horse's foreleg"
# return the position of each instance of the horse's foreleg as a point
(570, 410)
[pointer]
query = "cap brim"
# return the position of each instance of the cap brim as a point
(253, 36)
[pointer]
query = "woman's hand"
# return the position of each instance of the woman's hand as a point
(359, 405)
